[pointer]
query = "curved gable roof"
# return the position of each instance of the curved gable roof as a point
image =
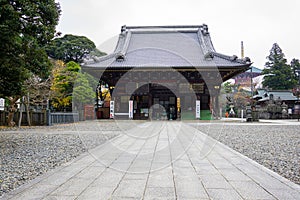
(170, 46)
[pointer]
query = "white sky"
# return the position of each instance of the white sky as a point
(258, 23)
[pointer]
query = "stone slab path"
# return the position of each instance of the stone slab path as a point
(159, 160)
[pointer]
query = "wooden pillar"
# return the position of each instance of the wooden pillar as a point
(215, 107)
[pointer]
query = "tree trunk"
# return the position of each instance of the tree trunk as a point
(12, 109)
(27, 110)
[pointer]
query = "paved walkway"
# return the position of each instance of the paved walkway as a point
(160, 160)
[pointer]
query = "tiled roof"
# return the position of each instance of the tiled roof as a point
(166, 46)
(282, 95)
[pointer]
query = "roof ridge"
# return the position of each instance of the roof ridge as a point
(164, 26)
(202, 42)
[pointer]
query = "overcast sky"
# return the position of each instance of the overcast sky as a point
(258, 23)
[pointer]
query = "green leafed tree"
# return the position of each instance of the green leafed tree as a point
(84, 90)
(295, 64)
(63, 80)
(72, 48)
(26, 26)
(71, 88)
(278, 74)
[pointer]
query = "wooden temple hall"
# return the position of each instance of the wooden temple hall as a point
(162, 72)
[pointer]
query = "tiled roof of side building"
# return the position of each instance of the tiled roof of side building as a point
(264, 95)
(166, 46)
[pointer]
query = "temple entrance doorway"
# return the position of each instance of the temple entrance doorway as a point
(155, 102)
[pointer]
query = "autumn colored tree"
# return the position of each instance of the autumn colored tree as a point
(64, 77)
(70, 86)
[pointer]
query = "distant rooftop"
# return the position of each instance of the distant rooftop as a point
(264, 95)
(255, 70)
(166, 46)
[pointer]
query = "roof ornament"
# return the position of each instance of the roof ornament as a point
(247, 60)
(233, 58)
(209, 55)
(120, 57)
(123, 28)
(204, 29)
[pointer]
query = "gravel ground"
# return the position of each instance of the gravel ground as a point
(26, 153)
(276, 147)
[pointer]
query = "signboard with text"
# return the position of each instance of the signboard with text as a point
(130, 109)
(197, 109)
(2, 103)
(112, 110)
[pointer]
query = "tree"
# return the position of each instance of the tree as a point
(84, 90)
(295, 65)
(235, 95)
(26, 26)
(70, 86)
(278, 74)
(72, 48)
(38, 90)
(64, 77)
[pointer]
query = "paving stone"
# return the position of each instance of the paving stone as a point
(223, 194)
(285, 194)
(250, 190)
(190, 190)
(233, 174)
(221, 164)
(161, 178)
(35, 192)
(268, 182)
(110, 178)
(206, 169)
(215, 181)
(96, 193)
(72, 187)
(136, 176)
(248, 169)
(90, 173)
(130, 189)
(60, 197)
(160, 192)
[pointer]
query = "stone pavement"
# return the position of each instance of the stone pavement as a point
(159, 160)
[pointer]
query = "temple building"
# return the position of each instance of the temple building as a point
(163, 72)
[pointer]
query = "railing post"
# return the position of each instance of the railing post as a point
(48, 116)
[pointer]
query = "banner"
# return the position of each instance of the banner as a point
(2, 103)
(112, 109)
(197, 109)
(130, 109)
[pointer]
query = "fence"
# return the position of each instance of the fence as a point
(41, 118)
(36, 118)
(61, 118)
